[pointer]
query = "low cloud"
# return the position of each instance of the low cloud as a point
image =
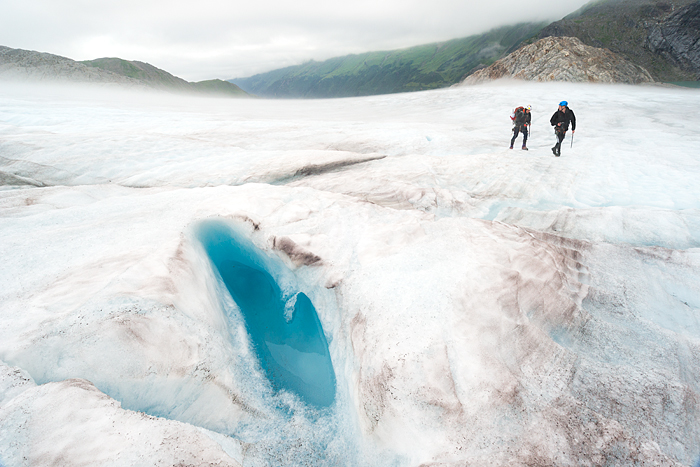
(213, 39)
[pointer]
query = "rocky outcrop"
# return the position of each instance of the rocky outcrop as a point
(677, 39)
(631, 29)
(563, 59)
(28, 65)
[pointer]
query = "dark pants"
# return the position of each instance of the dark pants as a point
(560, 133)
(516, 132)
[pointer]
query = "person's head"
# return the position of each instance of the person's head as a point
(528, 108)
(562, 105)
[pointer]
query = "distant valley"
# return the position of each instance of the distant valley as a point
(660, 36)
(651, 40)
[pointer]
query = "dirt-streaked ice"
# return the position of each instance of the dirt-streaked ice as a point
(482, 306)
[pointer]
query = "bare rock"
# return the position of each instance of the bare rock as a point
(677, 39)
(563, 59)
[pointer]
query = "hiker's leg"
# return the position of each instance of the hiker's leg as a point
(516, 132)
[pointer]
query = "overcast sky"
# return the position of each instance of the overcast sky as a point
(206, 39)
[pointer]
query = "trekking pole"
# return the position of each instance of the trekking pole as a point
(572, 139)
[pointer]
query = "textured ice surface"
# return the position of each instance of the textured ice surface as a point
(72, 423)
(481, 306)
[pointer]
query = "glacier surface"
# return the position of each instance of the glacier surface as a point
(481, 306)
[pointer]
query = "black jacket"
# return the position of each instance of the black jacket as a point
(564, 118)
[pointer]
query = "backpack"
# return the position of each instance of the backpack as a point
(516, 113)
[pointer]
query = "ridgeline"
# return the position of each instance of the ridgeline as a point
(161, 79)
(417, 68)
(660, 36)
(31, 66)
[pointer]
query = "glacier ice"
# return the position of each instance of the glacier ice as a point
(481, 307)
(290, 345)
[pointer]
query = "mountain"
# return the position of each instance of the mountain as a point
(29, 65)
(144, 72)
(563, 59)
(658, 37)
(22, 64)
(218, 86)
(413, 69)
(678, 39)
(663, 36)
(161, 79)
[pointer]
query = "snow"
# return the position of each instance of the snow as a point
(482, 306)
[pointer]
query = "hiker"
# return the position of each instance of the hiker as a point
(521, 119)
(560, 121)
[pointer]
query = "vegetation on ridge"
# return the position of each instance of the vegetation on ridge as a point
(413, 69)
(157, 78)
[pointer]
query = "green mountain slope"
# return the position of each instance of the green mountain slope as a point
(218, 86)
(160, 79)
(417, 68)
(628, 27)
(141, 71)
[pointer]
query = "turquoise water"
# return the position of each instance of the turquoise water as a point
(293, 353)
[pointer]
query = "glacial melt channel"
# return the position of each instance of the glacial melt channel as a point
(292, 350)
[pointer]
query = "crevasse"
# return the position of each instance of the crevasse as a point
(293, 352)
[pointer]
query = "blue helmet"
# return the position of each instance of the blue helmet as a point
(564, 103)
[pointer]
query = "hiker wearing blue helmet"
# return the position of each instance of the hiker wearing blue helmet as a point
(560, 121)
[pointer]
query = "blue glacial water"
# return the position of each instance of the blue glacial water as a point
(292, 350)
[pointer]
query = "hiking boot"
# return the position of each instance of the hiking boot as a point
(511, 147)
(524, 148)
